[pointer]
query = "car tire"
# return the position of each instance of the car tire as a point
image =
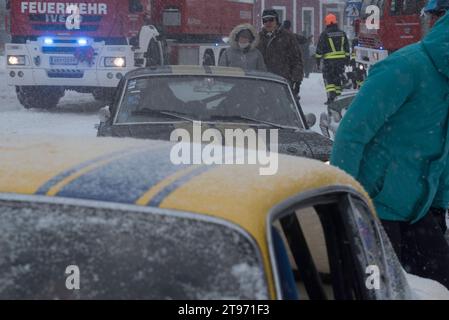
(39, 97)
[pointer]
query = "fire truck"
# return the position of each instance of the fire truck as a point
(87, 45)
(401, 23)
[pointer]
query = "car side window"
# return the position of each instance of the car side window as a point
(406, 7)
(391, 280)
(284, 266)
(331, 242)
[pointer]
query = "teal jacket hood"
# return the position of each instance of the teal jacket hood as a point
(436, 44)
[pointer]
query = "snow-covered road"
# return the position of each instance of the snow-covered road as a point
(76, 114)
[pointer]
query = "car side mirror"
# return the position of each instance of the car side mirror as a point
(310, 120)
(104, 114)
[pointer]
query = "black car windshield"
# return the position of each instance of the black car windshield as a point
(207, 98)
(122, 254)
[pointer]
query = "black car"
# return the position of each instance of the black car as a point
(330, 120)
(153, 102)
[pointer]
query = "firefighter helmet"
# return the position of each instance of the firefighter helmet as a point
(330, 19)
(436, 5)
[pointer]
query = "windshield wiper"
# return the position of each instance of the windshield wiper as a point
(166, 113)
(256, 121)
(179, 115)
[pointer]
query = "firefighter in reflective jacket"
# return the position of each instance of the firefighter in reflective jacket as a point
(333, 48)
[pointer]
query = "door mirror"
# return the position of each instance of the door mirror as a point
(310, 119)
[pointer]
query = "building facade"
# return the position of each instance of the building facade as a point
(304, 14)
(4, 36)
(307, 16)
(338, 7)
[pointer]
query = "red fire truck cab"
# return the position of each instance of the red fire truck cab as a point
(88, 45)
(401, 24)
(195, 30)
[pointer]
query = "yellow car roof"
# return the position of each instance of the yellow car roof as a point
(140, 172)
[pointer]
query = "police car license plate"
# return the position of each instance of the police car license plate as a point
(64, 61)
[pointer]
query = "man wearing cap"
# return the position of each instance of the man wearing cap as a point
(333, 48)
(281, 50)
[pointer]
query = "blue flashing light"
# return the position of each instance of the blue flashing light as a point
(48, 41)
(381, 48)
(82, 42)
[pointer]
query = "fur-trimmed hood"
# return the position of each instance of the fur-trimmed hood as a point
(232, 41)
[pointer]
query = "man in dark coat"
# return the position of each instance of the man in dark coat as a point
(280, 50)
(304, 45)
(333, 48)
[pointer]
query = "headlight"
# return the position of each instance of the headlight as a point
(115, 62)
(361, 67)
(16, 60)
(82, 42)
(48, 41)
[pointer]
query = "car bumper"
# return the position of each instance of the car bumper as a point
(64, 77)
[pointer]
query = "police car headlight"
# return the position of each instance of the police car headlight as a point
(16, 60)
(117, 62)
(361, 67)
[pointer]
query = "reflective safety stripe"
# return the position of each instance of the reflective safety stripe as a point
(336, 54)
(331, 43)
(338, 89)
(318, 55)
(331, 88)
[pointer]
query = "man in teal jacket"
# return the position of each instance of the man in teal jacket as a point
(394, 140)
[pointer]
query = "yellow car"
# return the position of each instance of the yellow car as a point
(115, 218)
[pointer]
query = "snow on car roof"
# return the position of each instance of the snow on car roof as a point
(202, 70)
(140, 172)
